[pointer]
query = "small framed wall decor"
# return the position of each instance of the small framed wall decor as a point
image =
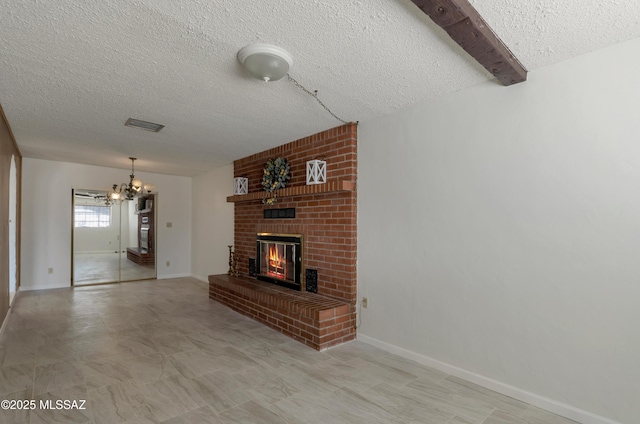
(316, 172)
(240, 185)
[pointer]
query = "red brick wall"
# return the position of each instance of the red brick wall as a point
(328, 222)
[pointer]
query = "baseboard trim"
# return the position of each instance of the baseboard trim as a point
(6, 319)
(169, 276)
(547, 404)
(12, 300)
(4, 323)
(200, 278)
(32, 288)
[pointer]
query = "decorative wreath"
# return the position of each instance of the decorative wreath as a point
(276, 174)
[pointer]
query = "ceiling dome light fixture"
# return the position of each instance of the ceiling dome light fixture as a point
(265, 61)
(270, 63)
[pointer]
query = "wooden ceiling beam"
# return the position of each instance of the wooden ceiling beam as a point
(466, 27)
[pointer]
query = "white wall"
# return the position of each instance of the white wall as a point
(46, 219)
(212, 222)
(514, 216)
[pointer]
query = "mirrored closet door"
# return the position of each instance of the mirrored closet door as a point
(112, 243)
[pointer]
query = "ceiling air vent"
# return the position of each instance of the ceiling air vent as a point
(144, 125)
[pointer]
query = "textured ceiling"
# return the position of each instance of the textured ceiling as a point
(72, 71)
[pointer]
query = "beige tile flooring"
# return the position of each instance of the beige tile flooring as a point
(159, 351)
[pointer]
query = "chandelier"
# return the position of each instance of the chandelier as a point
(128, 191)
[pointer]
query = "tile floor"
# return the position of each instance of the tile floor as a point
(162, 352)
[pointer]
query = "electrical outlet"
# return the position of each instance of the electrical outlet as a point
(168, 263)
(50, 270)
(365, 302)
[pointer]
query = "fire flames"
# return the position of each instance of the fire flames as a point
(275, 261)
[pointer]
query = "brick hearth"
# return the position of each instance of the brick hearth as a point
(326, 217)
(316, 320)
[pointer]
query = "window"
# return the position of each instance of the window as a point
(92, 216)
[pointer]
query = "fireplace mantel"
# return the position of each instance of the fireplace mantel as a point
(334, 186)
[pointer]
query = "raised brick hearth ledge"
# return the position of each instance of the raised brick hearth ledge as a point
(316, 320)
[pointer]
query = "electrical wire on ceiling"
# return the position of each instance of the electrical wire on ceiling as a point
(315, 96)
(270, 63)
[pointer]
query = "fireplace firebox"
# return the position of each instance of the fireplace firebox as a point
(279, 259)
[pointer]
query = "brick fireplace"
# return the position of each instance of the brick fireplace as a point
(325, 217)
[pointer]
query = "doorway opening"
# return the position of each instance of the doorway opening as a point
(13, 230)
